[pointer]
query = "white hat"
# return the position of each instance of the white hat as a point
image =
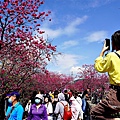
(39, 96)
(61, 97)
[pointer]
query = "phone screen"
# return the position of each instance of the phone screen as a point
(108, 43)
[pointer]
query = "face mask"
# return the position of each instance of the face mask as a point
(37, 101)
(9, 100)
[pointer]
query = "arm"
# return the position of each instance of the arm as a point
(26, 107)
(50, 108)
(30, 114)
(103, 64)
(104, 49)
(80, 101)
(8, 110)
(57, 108)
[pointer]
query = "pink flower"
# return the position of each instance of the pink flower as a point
(49, 12)
(12, 27)
(1, 17)
(37, 25)
(46, 14)
(2, 71)
(42, 2)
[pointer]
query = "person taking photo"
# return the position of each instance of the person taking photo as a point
(109, 63)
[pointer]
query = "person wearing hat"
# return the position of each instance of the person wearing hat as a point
(38, 111)
(15, 109)
(59, 109)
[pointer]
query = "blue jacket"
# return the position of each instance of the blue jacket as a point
(17, 112)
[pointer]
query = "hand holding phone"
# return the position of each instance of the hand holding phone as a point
(106, 47)
(107, 43)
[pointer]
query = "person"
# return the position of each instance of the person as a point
(15, 110)
(59, 109)
(85, 105)
(76, 107)
(70, 93)
(3, 106)
(51, 96)
(86, 109)
(110, 63)
(28, 103)
(32, 98)
(86, 94)
(66, 95)
(48, 105)
(27, 108)
(42, 93)
(38, 110)
(54, 102)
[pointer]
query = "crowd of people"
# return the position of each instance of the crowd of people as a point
(48, 106)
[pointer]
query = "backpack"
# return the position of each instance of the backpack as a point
(67, 115)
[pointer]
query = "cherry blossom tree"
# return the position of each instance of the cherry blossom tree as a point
(76, 86)
(52, 81)
(92, 79)
(23, 50)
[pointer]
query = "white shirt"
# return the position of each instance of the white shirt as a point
(76, 107)
(49, 110)
(60, 109)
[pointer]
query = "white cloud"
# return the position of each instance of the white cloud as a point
(52, 33)
(96, 3)
(96, 36)
(73, 26)
(75, 70)
(65, 62)
(68, 30)
(70, 43)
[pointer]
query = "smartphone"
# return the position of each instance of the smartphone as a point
(107, 43)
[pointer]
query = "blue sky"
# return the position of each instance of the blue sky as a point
(78, 28)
